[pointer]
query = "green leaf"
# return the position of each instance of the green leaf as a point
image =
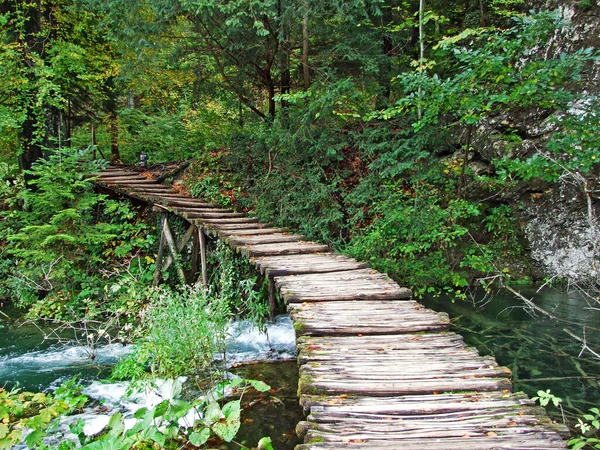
(116, 424)
(35, 438)
(265, 444)
(161, 408)
(259, 385)
(213, 413)
(228, 428)
(139, 414)
(200, 438)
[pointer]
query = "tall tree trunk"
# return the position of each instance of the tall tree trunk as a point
(305, 68)
(113, 127)
(32, 150)
(271, 88)
(421, 49)
(68, 124)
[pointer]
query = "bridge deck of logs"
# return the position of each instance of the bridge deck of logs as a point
(377, 369)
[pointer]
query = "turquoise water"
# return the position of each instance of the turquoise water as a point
(538, 350)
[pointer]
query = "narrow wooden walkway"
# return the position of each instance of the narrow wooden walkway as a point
(377, 370)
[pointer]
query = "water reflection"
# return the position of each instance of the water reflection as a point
(540, 351)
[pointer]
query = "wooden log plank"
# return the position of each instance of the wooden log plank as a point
(418, 405)
(287, 248)
(273, 238)
(343, 276)
(304, 264)
(216, 228)
(195, 203)
(209, 215)
(519, 443)
(383, 317)
(346, 291)
(212, 209)
(526, 439)
(346, 385)
(240, 220)
(447, 340)
(252, 232)
(479, 423)
(135, 180)
(115, 174)
(151, 188)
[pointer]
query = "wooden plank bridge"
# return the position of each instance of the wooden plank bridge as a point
(377, 369)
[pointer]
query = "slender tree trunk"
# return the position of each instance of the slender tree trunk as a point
(68, 123)
(421, 50)
(93, 130)
(113, 127)
(32, 150)
(286, 79)
(305, 67)
(271, 88)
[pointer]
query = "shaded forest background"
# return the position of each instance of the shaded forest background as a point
(419, 136)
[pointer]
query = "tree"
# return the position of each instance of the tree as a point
(54, 71)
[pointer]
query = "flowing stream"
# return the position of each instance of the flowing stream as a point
(31, 364)
(538, 350)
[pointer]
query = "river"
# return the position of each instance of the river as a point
(29, 362)
(538, 350)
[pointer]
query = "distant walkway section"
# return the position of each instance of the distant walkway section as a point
(377, 369)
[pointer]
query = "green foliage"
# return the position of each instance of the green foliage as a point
(181, 331)
(588, 426)
(33, 415)
(62, 233)
(415, 238)
(54, 66)
(174, 422)
(233, 281)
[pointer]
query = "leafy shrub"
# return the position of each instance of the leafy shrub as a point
(62, 234)
(181, 332)
(29, 415)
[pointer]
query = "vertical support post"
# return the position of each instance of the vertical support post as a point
(161, 252)
(173, 249)
(202, 236)
(272, 299)
(195, 254)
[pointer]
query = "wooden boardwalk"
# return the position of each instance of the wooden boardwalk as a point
(377, 369)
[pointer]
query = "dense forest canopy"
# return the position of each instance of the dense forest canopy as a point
(415, 135)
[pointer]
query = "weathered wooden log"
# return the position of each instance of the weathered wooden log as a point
(173, 248)
(202, 236)
(161, 252)
(180, 245)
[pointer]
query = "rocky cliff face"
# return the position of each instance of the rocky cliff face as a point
(560, 220)
(563, 238)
